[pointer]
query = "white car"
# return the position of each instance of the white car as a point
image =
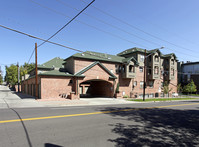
(175, 94)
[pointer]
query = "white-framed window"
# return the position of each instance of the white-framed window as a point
(141, 69)
(141, 58)
(135, 83)
(151, 95)
(156, 58)
(172, 61)
(141, 84)
(116, 69)
(156, 70)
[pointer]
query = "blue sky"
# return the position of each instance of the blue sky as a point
(174, 21)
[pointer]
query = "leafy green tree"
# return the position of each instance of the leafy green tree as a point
(190, 87)
(11, 74)
(179, 88)
(24, 69)
(1, 79)
(166, 88)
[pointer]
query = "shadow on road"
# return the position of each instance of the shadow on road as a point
(24, 127)
(51, 145)
(155, 127)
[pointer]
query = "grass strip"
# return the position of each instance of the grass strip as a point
(161, 99)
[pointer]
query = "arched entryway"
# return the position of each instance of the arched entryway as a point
(95, 88)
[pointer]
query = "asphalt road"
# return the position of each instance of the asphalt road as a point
(144, 124)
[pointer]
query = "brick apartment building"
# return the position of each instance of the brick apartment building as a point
(92, 74)
(189, 71)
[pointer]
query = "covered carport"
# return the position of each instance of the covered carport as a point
(96, 88)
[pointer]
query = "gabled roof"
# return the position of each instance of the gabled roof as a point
(92, 65)
(169, 55)
(135, 49)
(98, 57)
(53, 63)
(127, 60)
(131, 50)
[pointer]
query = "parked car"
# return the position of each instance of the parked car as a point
(175, 95)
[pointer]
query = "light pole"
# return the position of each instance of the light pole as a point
(145, 57)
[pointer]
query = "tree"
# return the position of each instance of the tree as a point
(179, 88)
(1, 79)
(190, 87)
(166, 89)
(24, 69)
(11, 74)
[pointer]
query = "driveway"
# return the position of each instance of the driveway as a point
(11, 99)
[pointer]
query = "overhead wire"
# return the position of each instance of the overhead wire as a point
(61, 27)
(61, 45)
(112, 34)
(132, 26)
(64, 3)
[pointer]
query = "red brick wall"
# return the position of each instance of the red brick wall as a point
(52, 87)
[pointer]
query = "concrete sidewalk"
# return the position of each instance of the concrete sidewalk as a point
(10, 99)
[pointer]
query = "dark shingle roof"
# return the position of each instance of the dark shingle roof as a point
(56, 73)
(135, 49)
(131, 50)
(53, 63)
(127, 60)
(98, 57)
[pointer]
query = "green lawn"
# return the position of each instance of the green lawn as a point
(160, 99)
(194, 94)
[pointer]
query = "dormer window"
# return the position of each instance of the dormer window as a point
(141, 69)
(156, 58)
(156, 70)
(172, 61)
(131, 68)
(141, 58)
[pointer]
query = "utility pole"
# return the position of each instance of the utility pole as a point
(144, 86)
(18, 75)
(36, 83)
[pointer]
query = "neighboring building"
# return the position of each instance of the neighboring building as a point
(97, 75)
(190, 71)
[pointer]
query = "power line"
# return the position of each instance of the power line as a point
(61, 27)
(165, 29)
(31, 36)
(55, 11)
(64, 3)
(113, 26)
(114, 35)
(132, 26)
